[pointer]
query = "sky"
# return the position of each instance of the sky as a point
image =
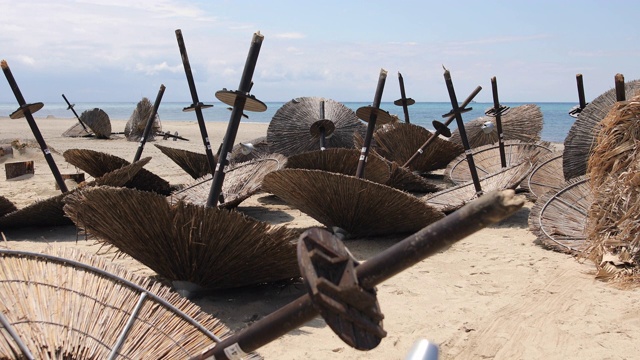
(123, 50)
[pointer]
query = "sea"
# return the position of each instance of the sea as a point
(557, 120)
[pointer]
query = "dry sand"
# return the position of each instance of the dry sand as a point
(493, 295)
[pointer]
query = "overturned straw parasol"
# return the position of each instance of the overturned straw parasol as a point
(404, 179)
(77, 130)
(195, 164)
(249, 150)
(487, 159)
(97, 164)
(559, 218)
(241, 181)
(98, 121)
(82, 307)
(581, 137)
(289, 131)
(6, 206)
(360, 207)
(522, 123)
(134, 128)
(209, 247)
(546, 175)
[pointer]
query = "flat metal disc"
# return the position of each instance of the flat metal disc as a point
(32, 108)
(383, 117)
(193, 107)
(441, 128)
(252, 104)
(409, 101)
(326, 124)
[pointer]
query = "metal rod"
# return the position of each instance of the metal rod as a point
(234, 121)
(620, 92)
(147, 128)
(322, 132)
(496, 108)
(74, 112)
(462, 132)
(580, 85)
(437, 133)
(403, 97)
(489, 209)
(371, 126)
(125, 331)
(34, 127)
(197, 105)
(7, 326)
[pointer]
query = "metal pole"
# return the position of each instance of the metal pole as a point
(496, 107)
(489, 209)
(70, 107)
(24, 107)
(620, 92)
(197, 105)
(403, 97)
(149, 124)
(371, 126)
(580, 85)
(322, 130)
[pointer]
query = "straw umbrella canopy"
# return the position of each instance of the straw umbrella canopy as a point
(79, 306)
(134, 128)
(522, 123)
(97, 164)
(487, 159)
(249, 150)
(360, 207)
(6, 206)
(195, 164)
(290, 130)
(404, 179)
(559, 218)
(77, 130)
(98, 121)
(546, 175)
(581, 137)
(241, 181)
(208, 247)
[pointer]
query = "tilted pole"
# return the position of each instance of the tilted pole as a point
(498, 111)
(147, 128)
(70, 107)
(403, 101)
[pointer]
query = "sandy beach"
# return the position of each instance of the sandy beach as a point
(494, 295)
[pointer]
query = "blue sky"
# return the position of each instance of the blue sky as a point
(122, 50)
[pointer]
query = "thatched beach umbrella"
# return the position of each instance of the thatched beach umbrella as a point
(134, 128)
(249, 150)
(98, 121)
(83, 307)
(290, 129)
(209, 247)
(581, 137)
(195, 164)
(6, 206)
(360, 207)
(546, 175)
(404, 179)
(522, 123)
(559, 218)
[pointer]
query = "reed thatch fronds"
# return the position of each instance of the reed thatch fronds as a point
(614, 215)
(6, 206)
(193, 163)
(559, 218)
(522, 123)
(581, 137)
(289, 131)
(487, 159)
(97, 164)
(134, 129)
(68, 305)
(98, 121)
(209, 247)
(77, 130)
(404, 179)
(341, 161)
(360, 207)
(241, 181)
(546, 175)
(453, 198)
(249, 150)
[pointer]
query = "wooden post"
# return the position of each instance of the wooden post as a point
(15, 169)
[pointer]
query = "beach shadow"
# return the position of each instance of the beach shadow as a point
(50, 234)
(274, 217)
(519, 220)
(269, 199)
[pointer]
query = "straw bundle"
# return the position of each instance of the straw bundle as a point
(77, 130)
(289, 130)
(581, 137)
(241, 181)
(260, 149)
(98, 121)
(341, 161)
(97, 164)
(208, 247)
(6, 206)
(522, 123)
(134, 129)
(69, 305)
(559, 218)
(613, 218)
(487, 159)
(360, 207)
(546, 175)
(193, 163)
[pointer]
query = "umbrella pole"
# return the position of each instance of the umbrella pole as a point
(498, 111)
(440, 128)
(576, 110)
(463, 134)
(323, 144)
(149, 124)
(489, 209)
(70, 107)
(371, 126)
(236, 114)
(620, 93)
(403, 98)
(197, 105)
(26, 110)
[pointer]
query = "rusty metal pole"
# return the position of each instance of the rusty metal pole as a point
(498, 112)
(26, 110)
(580, 85)
(70, 107)
(197, 106)
(482, 212)
(403, 99)
(149, 124)
(620, 92)
(371, 125)
(441, 128)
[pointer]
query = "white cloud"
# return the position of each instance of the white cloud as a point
(152, 69)
(289, 35)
